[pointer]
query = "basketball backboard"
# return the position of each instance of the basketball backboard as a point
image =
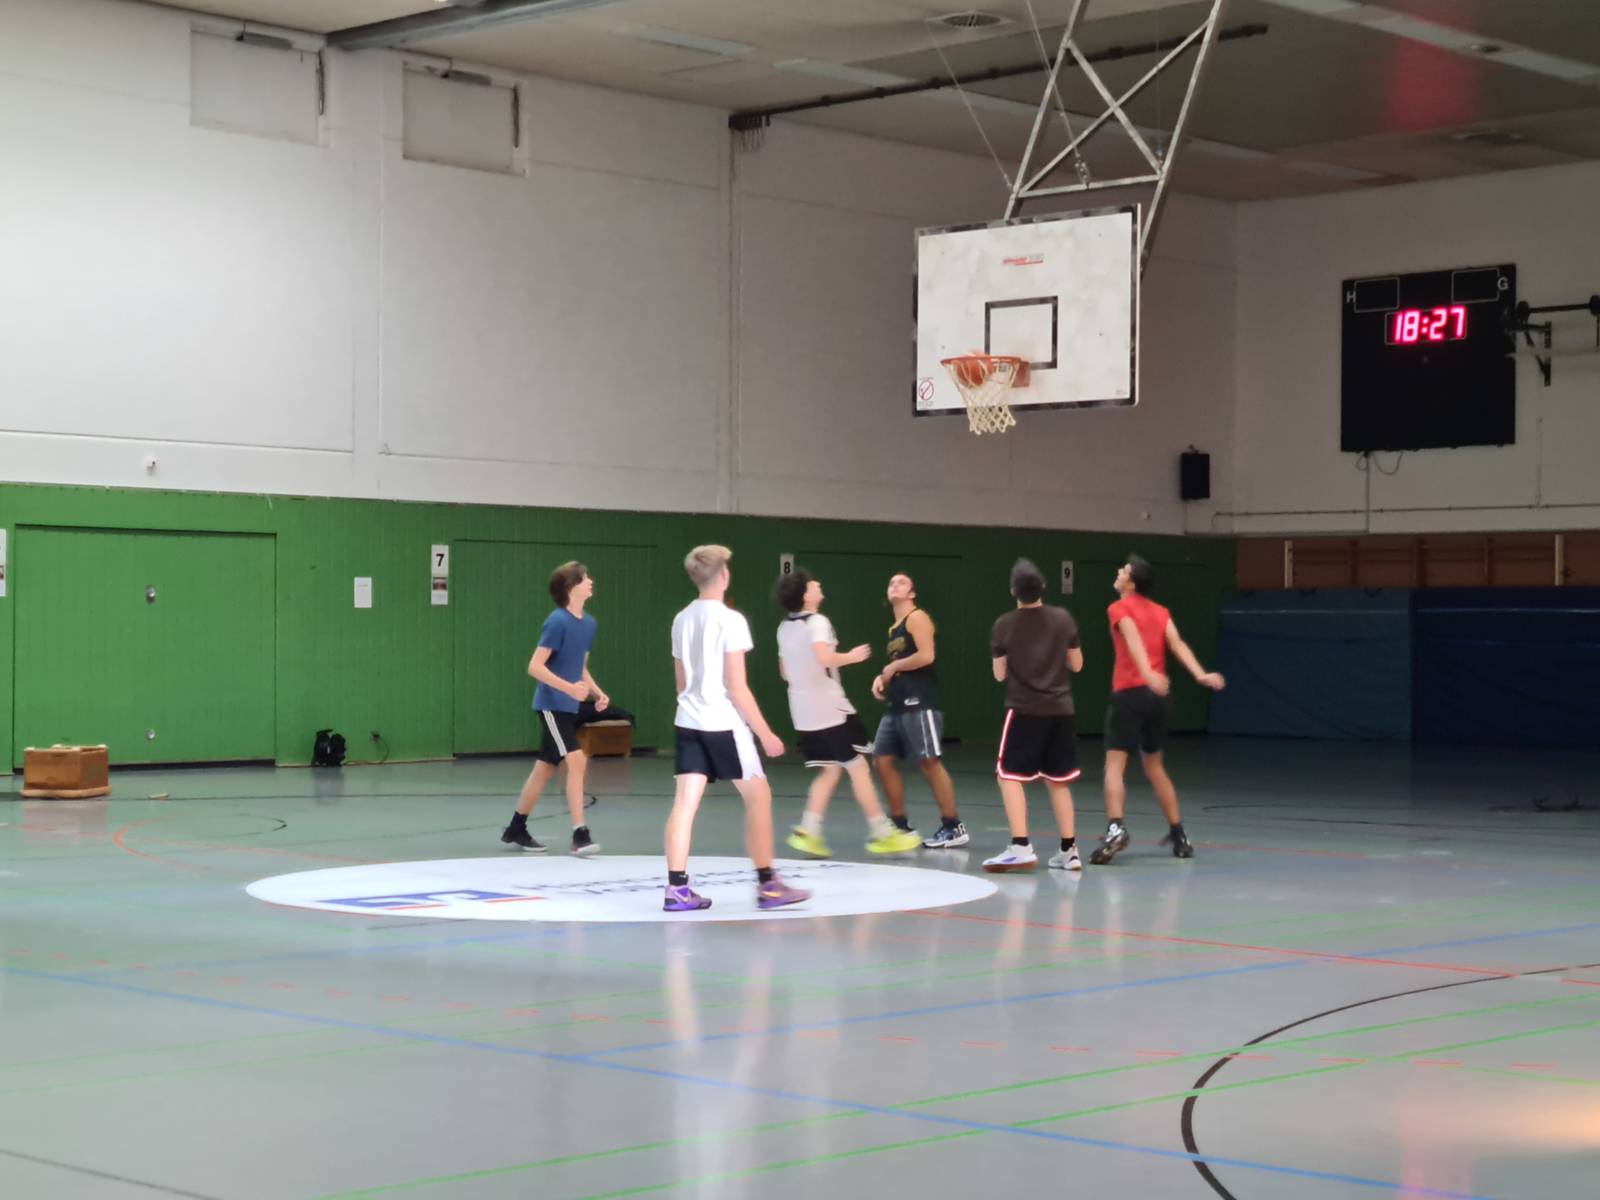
(1060, 292)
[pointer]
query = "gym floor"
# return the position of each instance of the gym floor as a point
(1379, 976)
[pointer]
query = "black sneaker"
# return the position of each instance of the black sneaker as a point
(582, 844)
(519, 839)
(1112, 843)
(1182, 847)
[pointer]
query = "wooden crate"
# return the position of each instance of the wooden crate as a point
(606, 739)
(65, 773)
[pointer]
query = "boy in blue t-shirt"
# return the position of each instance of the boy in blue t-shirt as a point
(561, 665)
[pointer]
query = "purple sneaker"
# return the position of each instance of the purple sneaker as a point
(684, 899)
(779, 894)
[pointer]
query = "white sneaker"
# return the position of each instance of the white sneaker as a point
(1012, 858)
(1066, 860)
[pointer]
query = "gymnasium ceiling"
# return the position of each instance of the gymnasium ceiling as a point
(1336, 94)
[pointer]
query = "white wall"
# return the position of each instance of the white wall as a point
(635, 317)
(1290, 476)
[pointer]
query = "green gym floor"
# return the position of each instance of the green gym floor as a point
(1380, 976)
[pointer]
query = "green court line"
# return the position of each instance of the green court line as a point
(497, 1031)
(1253, 1048)
(1535, 1075)
(1100, 1072)
(765, 1168)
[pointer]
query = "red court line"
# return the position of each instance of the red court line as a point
(1309, 955)
(1583, 982)
(514, 899)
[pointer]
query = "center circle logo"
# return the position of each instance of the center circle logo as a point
(609, 889)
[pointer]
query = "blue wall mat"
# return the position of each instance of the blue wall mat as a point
(1508, 666)
(1324, 664)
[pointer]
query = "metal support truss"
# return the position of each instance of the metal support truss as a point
(1031, 177)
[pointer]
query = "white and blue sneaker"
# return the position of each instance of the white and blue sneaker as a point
(948, 837)
(1012, 858)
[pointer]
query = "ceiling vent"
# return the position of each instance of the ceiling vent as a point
(1495, 139)
(970, 21)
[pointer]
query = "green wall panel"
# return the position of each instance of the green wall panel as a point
(186, 677)
(437, 680)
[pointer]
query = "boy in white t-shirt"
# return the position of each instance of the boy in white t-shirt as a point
(831, 736)
(716, 714)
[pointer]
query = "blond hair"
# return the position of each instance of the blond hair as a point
(705, 563)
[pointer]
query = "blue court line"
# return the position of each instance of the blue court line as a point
(1493, 937)
(351, 952)
(957, 1006)
(584, 1060)
(839, 1022)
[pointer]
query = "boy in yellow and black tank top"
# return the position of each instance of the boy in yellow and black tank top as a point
(913, 727)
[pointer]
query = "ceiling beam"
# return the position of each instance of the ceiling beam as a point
(756, 118)
(463, 16)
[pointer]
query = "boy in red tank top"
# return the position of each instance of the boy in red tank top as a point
(1141, 634)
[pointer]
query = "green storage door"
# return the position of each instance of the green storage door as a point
(499, 595)
(97, 661)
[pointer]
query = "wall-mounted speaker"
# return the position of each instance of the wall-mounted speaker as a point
(1194, 475)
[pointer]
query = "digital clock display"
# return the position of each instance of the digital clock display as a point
(1414, 326)
(1425, 360)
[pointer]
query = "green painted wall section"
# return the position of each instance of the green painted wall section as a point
(214, 659)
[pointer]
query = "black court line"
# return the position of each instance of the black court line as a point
(1187, 1119)
(77, 1170)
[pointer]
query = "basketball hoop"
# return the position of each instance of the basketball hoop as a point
(985, 382)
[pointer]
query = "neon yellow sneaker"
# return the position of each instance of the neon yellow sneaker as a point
(896, 841)
(809, 843)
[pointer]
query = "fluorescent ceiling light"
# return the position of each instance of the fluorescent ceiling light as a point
(1550, 64)
(1427, 32)
(840, 73)
(1328, 170)
(685, 41)
(1321, 8)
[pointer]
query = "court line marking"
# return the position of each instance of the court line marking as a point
(843, 1106)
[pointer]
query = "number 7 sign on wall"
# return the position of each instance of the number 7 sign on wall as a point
(439, 567)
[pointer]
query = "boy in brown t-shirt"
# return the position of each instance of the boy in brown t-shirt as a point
(1036, 650)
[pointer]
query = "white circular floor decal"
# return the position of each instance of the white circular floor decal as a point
(608, 889)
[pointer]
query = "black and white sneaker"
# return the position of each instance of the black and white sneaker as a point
(582, 844)
(1112, 842)
(519, 839)
(948, 837)
(1182, 847)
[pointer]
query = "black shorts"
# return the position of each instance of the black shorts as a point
(717, 754)
(1038, 748)
(1136, 720)
(836, 747)
(560, 734)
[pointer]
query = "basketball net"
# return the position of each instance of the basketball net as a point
(985, 382)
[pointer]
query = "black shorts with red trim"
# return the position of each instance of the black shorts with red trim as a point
(559, 735)
(837, 746)
(1035, 747)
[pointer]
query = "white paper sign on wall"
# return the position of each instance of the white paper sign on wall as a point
(785, 564)
(2, 562)
(363, 591)
(1067, 576)
(439, 567)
